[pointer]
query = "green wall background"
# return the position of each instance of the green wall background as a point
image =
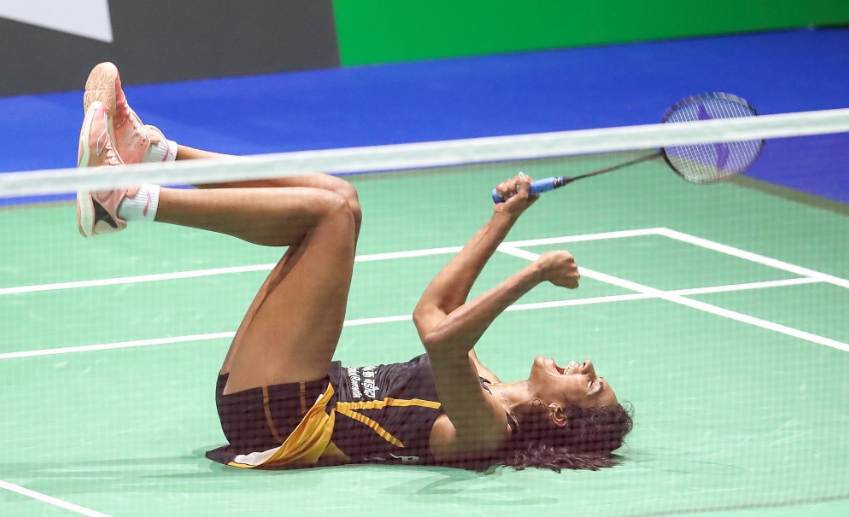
(381, 31)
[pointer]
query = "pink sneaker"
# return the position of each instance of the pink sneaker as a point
(96, 148)
(129, 135)
(97, 212)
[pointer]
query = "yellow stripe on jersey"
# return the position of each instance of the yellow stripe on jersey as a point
(305, 445)
(350, 409)
(383, 433)
(389, 401)
(268, 420)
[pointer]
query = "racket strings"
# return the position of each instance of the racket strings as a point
(708, 163)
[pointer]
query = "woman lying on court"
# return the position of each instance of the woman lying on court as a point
(284, 402)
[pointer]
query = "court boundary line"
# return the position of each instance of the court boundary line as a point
(510, 248)
(197, 273)
(694, 304)
(753, 257)
(409, 317)
(44, 498)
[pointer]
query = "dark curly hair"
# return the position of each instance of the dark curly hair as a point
(587, 441)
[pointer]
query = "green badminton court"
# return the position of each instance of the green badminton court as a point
(721, 313)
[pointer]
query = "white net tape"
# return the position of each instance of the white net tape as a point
(431, 154)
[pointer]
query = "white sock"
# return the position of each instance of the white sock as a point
(142, 207)
(162, 151)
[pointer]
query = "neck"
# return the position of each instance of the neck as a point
(520, 398)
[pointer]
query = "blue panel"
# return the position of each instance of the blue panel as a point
(817, 165)
(467, 97)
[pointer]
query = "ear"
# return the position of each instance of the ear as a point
(556, 414)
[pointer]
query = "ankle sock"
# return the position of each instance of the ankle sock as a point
(162, 151)
(142, 207)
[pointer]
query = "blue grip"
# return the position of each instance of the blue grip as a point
(537, 188)
(543, 185)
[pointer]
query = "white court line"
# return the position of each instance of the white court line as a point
(407, 317)
(268, 267)
(754, 257)
(644, 292)
(123, 344)
(382, 319)
(208, 272)
(50, 500)
(135, 279)
(579, 301)
(585, 237)
(679, 299)
(745, 287)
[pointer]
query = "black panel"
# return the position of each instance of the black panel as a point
(167, 40)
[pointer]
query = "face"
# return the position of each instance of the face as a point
(576, 383)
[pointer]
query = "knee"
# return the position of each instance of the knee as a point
(347, 191)
(330, 203)
(337, 207)
(338, 223)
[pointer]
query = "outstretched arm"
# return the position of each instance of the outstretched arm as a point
(449, 326)
(450, 288)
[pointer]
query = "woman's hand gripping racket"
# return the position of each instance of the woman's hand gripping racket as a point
(516, 193)
(696, 163)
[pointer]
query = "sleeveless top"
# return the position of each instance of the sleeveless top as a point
(366, 414)
(386, 412)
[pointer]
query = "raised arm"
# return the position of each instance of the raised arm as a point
(450, 288)
(449, 326)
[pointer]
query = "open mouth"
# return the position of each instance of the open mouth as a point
(571, 367)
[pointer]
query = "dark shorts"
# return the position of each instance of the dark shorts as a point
(260, 419)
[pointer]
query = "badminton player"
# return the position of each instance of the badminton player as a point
(282, 400)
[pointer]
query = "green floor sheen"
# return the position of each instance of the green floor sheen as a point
(731, 419)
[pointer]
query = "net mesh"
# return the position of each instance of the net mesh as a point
(717, 313)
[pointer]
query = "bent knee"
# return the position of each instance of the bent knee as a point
(337, 222)
(337, 209)
(347, 191)
(329, 203)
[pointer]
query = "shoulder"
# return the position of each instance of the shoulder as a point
(446, 444)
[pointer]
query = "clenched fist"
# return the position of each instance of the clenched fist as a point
(559, 268)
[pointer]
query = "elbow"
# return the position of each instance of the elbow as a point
(446, 341)
(441, 341)
(427, 317)
(418, 321)
(433, 343)
(423, 327)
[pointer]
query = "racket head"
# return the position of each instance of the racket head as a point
(710, 163)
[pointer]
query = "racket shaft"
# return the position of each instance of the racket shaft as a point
(620, 166)
(546, 184)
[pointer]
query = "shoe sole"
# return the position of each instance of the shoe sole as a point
(100, 86)
(84, 155)
(85, 206)
(85, 213)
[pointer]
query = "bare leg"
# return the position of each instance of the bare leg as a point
(185, 152)
(317, 180)
(293, 325)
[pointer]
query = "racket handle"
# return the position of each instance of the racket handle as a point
(544, 185)
(537, 187)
